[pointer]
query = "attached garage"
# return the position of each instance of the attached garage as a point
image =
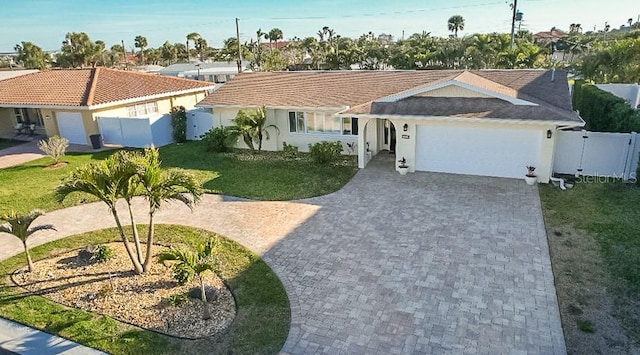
(71, 127)
(474, 150)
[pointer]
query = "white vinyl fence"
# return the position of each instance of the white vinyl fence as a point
(198, 123)
(597, 154)
(136, 132)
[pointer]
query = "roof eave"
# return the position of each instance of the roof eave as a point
(558, 122)
(277, 107)
(150, 97)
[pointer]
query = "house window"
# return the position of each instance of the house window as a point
(141, 110)
(28, 116)
(19, 115)
(321, 123)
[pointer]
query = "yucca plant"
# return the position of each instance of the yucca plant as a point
(19, 225)
(55, 147)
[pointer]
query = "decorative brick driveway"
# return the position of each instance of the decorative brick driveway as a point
(426, 263)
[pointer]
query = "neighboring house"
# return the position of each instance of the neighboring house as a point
(71, 102)
(549, 36)
(628, 92)
(216, 72)
(486, 122)
(149, 68)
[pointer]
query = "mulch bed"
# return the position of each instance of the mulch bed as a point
(112, 289)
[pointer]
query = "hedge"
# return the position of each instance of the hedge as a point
(603, 111)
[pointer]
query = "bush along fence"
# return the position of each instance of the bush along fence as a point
(603, 111)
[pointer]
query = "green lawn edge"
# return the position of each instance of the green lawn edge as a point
(261, 325)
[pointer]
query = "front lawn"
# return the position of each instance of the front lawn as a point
(264, 176)
(261, 325)
(594, 236)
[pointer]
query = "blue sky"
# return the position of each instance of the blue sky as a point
(45, 22)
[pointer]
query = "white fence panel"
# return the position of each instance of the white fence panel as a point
(136, 132)
(161, 130)
(198, 123)
(596, 153)
(110, 130)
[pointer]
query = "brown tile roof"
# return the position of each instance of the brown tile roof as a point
(359, 89)
(88, 87)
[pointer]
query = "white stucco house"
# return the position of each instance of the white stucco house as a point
(485, 122)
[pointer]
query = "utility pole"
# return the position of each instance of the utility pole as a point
(513, 23)
(124, 51)
(239, 47)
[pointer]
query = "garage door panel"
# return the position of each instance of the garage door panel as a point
(70, 126)
(477, 151)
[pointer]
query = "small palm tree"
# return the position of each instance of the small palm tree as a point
(19, 225)
(455, 24)
(189, 264)
(250, 125)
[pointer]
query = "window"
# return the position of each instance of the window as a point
(142, 110)
(321, 123)
(17, 112)
(28, 116)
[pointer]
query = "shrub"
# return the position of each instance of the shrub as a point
(325, 152)
(183, 275)
(603, 111)
(102, 254)
(177, 299)
(219, 139)
(290, 151)
(179, 124)
(55, 147)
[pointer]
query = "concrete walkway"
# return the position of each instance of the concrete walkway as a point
(18, 339)
(427, 263)
(29, 151)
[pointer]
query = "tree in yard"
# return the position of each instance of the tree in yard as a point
(193, 37)
(201, 47)
(273, 36)
(19, 225)
(187, 264)
(250, 125)
(169, 53)
(78, 50)
(124, 175)
(141, 42)
(455, 24)
(55, 147)
(31, 56)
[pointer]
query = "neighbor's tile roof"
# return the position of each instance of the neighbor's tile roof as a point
(360, 89)
(88, 87)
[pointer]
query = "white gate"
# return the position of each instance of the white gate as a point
(597, 154)
(198, 123)
(136, 132)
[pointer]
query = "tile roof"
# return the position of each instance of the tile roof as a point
(358, 90)
(89, 87)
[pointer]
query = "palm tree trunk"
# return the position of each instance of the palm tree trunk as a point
(29, 262)
(136, 238)
(203, 296)
(147, 260)
(136, 264)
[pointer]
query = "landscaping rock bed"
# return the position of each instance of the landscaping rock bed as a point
(153, 301)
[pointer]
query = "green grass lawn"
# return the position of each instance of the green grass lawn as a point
(610, 213)
(261, 325)
(266, 176)
(6, 143)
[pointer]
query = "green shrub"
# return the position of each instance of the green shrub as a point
(603, 111)
(638, 173)
(325, 152)
(586, 326)
(102, 254)
(290, 151)
(219, 139)
(177, 299)
(179, 124)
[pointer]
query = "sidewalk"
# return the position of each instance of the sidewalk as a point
(23, 153)
(19, 339)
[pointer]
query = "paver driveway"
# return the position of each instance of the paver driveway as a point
(426, 263)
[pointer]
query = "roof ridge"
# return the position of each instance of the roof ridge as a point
(93, 80)
(502, 89)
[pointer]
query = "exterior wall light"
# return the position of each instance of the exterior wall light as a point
(549, 133)
(405, 127)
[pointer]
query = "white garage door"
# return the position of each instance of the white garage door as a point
(477, 151)
(71, 127)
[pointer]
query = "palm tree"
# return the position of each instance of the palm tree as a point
(163, 186)
(141, 42)
(250, 125)
(105, 180)
(274, 35)
(19, 226)
(193, 36)
(455, 23)
(190, 263)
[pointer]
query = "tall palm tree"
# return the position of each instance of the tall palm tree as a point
(190, 263)
(193, 37)
(455, 24)
(141, 42)
(160, 186)
(19, 225)
(274, 35)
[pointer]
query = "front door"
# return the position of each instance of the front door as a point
(388, 133)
